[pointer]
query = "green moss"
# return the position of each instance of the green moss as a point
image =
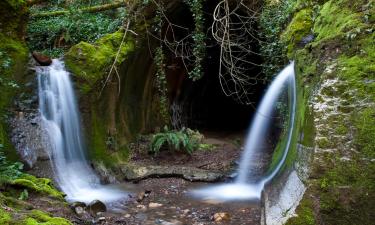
(37, 217)
(297, 29)
(364, 122)
(5, 217)
(337, 18)
(41, 185)
(13, 60)
(305, 214)
(91, 62)
(358, 70)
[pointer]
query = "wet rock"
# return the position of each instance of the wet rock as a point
(77, 204)
(163, 222)
(142, 207)
(43, 60)
(154, 205)
(143, 195)
(137, 172)
(221, 216)
(96, 206)
(80, 211)
(306, 40)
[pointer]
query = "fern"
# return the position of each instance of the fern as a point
(184, 139)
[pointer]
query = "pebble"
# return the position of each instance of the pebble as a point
(221, 216)
(154, 205)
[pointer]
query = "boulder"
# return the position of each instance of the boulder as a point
(96, 206)
(42, 60)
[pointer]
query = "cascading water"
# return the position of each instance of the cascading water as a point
(60, 118)
(242, 189)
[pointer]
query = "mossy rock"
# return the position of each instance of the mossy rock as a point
(91, 62)
(298, 28)
(337, 18)
(37, 217)
(40, 185)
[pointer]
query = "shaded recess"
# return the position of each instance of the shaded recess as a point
(202, 104)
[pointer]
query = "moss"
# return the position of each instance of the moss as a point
(297, 29)
(358, 70)
(41, 185)
(305, 214)
(13, 59)
(5, 217)
(37, 217)
(337, 18)
(364, 122)
(91, 62)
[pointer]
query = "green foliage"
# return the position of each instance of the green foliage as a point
(24, 195)
(161, 84)
(5, 217)
(199, 49)
(184, 139)
(53, 35)
(8, 171)
(272, 22)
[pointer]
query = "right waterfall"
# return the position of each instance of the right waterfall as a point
(242, 188)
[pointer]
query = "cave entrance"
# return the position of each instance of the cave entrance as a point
(202, 104)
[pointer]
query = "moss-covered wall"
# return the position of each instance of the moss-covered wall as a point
(116, 111)
(13, 60)
(336, 73)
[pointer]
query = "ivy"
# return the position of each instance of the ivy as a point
(272, 20)
(161, 83)
(199, 49)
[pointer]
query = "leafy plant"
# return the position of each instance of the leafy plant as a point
(199, 49)
(184, 139)
(8, 171)
(272, 21)
(24, 195)
(52, 35)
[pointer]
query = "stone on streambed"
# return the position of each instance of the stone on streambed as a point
(154, 205)
(138, 172)
(96, 206)
(221, 216)
(42, 60)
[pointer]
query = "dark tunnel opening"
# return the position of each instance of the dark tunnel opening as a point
(203, 104)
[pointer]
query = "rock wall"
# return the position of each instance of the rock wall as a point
(13, 61)
(332, 43)
(117, 107)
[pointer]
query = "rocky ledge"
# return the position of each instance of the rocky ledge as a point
(134, 172)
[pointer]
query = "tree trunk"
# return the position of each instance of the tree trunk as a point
(92, 9)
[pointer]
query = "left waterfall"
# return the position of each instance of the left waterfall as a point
(60, 118)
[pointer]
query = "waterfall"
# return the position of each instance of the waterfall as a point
(60, 118)
(242, 189)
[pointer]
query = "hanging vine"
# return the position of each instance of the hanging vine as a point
(161, 79)
(199, 49)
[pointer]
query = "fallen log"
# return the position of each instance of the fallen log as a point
(91, 9)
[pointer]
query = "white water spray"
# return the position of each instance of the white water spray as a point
(241, 189)
(60, 118)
